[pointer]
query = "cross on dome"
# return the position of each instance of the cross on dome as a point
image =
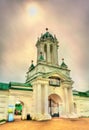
(46, 29)
(62, 59)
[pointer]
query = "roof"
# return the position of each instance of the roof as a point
(16, 86)
(20, 84)
(81, 94)
(4, 86)
(31, 66)
(47, 36)
(63, 65)
(41, 58)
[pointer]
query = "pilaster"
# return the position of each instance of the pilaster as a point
(38, 113)
(38, 98)
(68, 100)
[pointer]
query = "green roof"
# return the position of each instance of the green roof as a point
(24, 89)
(4, 86)
(20, 84)
(87, 91)
(63, 65)
(31, 67)
(47, 35)
(81, 94)
(41, 57)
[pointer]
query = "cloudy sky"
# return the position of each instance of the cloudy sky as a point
(23, 21)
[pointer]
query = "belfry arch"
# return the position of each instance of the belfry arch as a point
(45, 52)
(51, 53)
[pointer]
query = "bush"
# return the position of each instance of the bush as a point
(2, 120)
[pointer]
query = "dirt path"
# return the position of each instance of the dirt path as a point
(54, 124)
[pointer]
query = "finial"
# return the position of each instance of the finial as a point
(41, 52)
(46, 29)
(32, 61)
(31, 66)
(62, 59)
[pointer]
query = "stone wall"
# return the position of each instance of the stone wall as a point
(82, 106)
(3, 104)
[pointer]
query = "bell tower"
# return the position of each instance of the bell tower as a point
(47, 48)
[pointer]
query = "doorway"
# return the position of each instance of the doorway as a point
(18, 110)
(54, 105)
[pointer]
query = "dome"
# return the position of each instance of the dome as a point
(48, 36)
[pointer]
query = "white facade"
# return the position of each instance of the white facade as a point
(51, 92)
(52, 85)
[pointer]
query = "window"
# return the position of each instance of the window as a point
(54, 81)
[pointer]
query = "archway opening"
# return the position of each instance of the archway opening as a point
(55, 105)
(18, 109)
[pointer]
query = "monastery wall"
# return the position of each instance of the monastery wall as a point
(3, 104)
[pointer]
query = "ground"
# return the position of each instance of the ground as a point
(54, 124)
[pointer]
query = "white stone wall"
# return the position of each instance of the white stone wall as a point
(82, 106)
(23, 96)
(3, 104)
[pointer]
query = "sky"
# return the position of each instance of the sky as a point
(23, 21)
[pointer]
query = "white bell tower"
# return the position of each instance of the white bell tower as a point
(47, 49)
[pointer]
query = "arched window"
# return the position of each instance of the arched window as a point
(45, 52)
(51, 53)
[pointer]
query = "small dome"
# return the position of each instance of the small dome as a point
(63, 65)
(31, 66)
(41, 58)
(46, 36)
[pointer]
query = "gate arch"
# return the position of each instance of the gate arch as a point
(55, 105)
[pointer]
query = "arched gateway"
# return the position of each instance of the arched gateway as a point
(55, 105)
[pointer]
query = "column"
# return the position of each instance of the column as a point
(46, 114)
(24, 113)
(71, 100)
(66, 100)
(35, 99)
(39, 98)
(46, 100)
